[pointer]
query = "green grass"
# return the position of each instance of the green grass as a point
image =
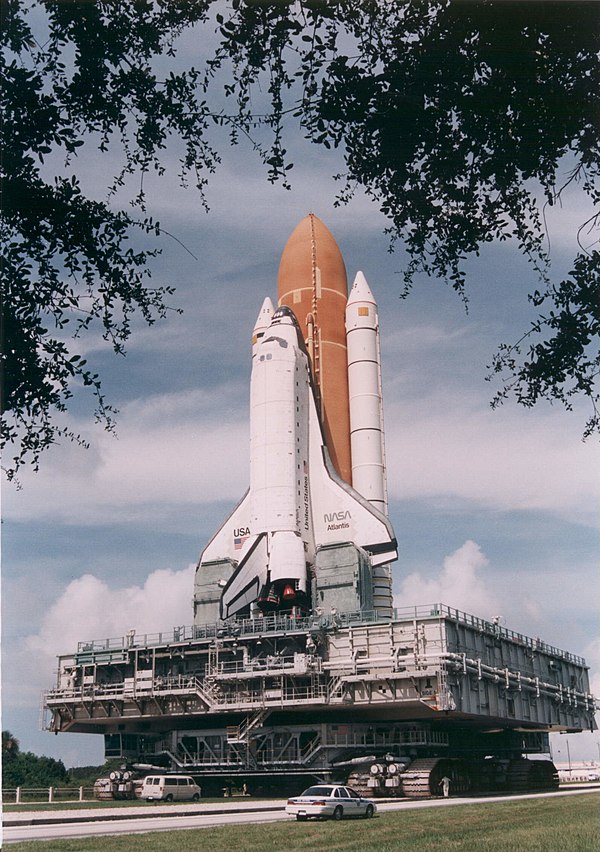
(66, 805)
(69, 804)
(567, 823)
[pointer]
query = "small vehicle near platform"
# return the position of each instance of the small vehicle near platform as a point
(170, 788)
(332, 801)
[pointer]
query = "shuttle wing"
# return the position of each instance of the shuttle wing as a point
(232, 536)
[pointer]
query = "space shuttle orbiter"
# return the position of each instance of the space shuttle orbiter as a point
(303, 411)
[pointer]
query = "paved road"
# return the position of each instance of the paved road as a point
(47, 825)
(12, 834)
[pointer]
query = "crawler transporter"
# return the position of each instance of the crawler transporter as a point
(389, 706)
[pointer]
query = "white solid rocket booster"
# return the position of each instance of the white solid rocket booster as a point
(364, 385)
(263, 321)
(366, 415)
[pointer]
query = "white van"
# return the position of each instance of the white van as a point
(170, 788)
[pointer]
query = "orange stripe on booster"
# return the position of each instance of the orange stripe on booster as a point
(312, 282)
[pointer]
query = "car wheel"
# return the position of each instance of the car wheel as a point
(169, 798)
(338, 813)
(369, 812)
(196, 797)
(301, 817)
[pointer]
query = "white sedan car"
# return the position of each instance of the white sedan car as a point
(330, 800)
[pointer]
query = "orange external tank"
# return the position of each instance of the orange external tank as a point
(312, 282)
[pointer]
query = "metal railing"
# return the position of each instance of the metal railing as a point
(497, 630)
(164, 686)
(160, 684)
(243, 627)
(276, 623)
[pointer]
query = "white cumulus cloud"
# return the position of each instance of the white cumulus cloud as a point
(461, 583)
(91, 609)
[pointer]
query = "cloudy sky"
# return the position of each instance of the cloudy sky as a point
(495, 511)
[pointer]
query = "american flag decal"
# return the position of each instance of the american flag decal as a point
(239, 542)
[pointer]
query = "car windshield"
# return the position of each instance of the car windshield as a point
(318, 791)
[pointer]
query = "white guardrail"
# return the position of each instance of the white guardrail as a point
(22, 795)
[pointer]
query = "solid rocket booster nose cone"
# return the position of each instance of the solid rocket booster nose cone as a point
(263, 321)
(360, 291)
(264, 315)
